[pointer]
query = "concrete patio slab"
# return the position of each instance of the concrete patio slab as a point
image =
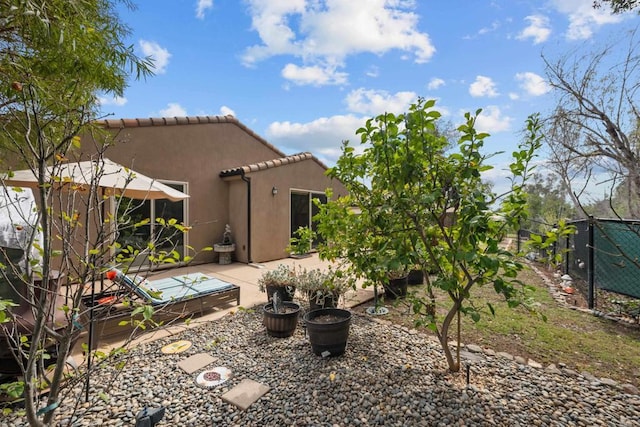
(245, 394)
(196, 362)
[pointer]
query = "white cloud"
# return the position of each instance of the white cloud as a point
(513, 96)
(494, 26)
(226, 111)
(435, 83)
(322, 137)
(328, 32)
(118, 101)
(159, 54)
(173, 110)
(375, 102)
(313, 75)
(492, 120)
(373, 71)
(584, 19)
(532, 83)
(202, 6)
(539, 29)
(483, 86)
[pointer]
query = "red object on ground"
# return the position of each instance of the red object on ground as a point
(107, 300)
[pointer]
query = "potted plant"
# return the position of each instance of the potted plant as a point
(415, 276)
(283, 280)
(323, 288)
(328, 330)
(395, 285)
(301, 242)
(280, 317)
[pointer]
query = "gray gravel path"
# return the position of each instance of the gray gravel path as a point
(389, 376)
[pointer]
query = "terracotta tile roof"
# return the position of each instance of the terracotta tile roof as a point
(174, 121)
(268, 164)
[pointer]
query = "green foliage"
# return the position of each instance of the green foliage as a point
(415, 201)
(301, 242)
(547, 204)
(281, 276)
(551, 243)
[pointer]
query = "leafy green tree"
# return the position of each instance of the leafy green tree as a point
(412, 201)
(547, 204)
(56, 57)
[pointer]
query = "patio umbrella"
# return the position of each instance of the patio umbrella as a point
(115, 179)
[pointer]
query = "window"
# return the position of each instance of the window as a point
(134, 238)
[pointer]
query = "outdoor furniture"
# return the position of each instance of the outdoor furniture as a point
(172, 298)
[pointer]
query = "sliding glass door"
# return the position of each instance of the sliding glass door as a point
(303, 209)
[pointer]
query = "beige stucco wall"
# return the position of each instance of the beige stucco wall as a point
(193, 153)
(274, 212)
(196, 154)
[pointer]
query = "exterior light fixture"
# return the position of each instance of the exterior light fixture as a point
(274, 191)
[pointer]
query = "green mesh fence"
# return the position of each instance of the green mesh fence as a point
(616, 255)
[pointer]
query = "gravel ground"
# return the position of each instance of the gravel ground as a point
(389, 376)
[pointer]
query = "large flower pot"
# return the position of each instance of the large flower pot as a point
(282, 324)
(328, 330)
(286, 292)
(416, 277)
(319, 299)
(395, 288)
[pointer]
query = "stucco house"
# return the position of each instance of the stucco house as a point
(232, 175)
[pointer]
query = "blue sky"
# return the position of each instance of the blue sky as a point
(305, 74)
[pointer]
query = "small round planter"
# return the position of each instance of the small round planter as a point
(318, 301)
(395, 288)
(416, 277)
(328, 330)
(281, 325)
(286, 292)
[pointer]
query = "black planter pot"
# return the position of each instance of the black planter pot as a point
(281, 325)
(395, 288)
(286, 292)
(328, 330)
(416, 277)
(318, 300)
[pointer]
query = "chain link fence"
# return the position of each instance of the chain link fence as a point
(603, 258)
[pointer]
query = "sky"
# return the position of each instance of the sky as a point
(306, 74)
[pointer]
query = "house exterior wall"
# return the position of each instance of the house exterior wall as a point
(193, 153)
(271, 228)
(196, 153)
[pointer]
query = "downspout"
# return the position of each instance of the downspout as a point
(248, 181)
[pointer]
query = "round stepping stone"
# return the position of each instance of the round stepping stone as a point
(176, 347)
(213, 377)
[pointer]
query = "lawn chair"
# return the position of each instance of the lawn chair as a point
(172, 298)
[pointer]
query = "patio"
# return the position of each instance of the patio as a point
(243, 275)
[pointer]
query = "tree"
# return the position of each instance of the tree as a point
(617, 6)
(55, 58)
(546, 203)
(595, 122)
(412, 201)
